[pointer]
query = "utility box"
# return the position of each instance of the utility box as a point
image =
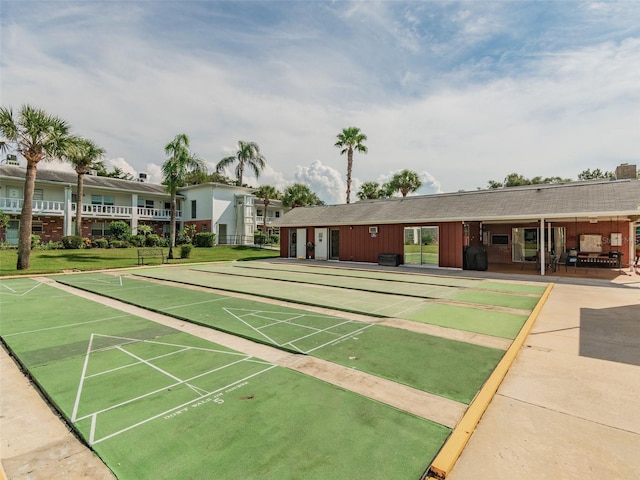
(390, 259)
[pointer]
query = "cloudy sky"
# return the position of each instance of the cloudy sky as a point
(460, 92)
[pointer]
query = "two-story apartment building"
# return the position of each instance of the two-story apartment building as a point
(227, 210)
(232, 212)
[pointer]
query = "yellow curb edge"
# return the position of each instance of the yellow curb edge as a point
(452, 449)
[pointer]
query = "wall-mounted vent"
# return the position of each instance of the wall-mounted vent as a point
(373, 229)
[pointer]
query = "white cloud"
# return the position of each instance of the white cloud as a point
(435, 86)
(325, 181)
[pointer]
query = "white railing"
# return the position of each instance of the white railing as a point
(14, 205)
(157, 213)
(260, 220)
(48, 207)
(112, 211)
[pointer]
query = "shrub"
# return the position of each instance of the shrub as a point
(185, 251)
(120, 230)
(274, 239)
(72, 242)
(35, 241)
(259, 238)
(101, 243)
(119, 244)
(138, 240)
(152, 240)
(205, 239)
(145, 230)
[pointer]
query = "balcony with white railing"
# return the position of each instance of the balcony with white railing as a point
(260, 220)
(40, 207)
(157, 214)
(13, 206)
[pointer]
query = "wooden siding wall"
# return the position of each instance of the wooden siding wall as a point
(358, 245)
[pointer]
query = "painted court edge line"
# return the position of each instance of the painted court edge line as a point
(452, 449)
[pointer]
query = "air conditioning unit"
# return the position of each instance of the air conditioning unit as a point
(373, 229)
(142, 177)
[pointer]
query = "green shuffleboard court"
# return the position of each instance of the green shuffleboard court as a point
(157, 403)
(444, 367)
(468, 311)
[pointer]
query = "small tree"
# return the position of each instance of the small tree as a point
(267, 193)
(120, 230)
(405, 182)
(299, 195)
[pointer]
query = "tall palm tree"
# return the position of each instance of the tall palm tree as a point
(404, 182)
(180, 163)
(267, 193)
(350, 139)
(37, 136)
(83, 154)
(248, 155)
(299, 195)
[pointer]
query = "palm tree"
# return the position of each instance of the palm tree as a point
(83, 154)
(267, 193)
(371, 191)
(350, 139)
(37, 136)
(248, 155)
(299, 195)
(404, 182)
(180, 163)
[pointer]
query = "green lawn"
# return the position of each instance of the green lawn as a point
(58, 261)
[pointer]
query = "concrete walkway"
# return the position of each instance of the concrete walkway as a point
(567, 409)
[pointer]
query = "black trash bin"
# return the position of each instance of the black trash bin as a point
(476, 258)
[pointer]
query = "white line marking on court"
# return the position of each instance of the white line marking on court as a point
(340, 338)
(162, 389)
(180, 406)
(251, 326)
(136, 363)
(92, 432)
(142, 360)
(198, 390)
(25, 292)
(82, 377)
(66, 326)
(8, 288)
(195, 303)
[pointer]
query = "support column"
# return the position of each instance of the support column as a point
(134, 214)
(543, 253)
(67, 221)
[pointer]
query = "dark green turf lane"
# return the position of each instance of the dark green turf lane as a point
(506, 322)
(158, 403)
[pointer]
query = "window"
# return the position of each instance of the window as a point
(149, 203)
(277, 214)
(38, 194)
(167, 205)
(500, 239)
(193, 209)
(36, 227)
(101, 200)
(100, 229)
